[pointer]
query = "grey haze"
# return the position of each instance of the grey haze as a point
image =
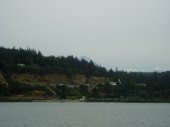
(129, 34)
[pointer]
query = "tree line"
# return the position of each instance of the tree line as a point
(128, 84)
(34, 62)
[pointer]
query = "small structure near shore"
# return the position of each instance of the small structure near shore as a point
(83, 98)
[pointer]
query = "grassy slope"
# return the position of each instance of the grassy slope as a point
(53, 79)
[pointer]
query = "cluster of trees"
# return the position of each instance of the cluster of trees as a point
(157, 85)
(35, 62)
(129, 91)
(100, 91)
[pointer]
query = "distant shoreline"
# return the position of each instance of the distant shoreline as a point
(51, 99)
(35, 99)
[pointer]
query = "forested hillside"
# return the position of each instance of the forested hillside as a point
(34, 62)
(28, 72)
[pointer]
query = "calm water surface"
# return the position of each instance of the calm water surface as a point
(84, 114)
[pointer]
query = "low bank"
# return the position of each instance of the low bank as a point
(54, 99)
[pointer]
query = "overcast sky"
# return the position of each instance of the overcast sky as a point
(129, 34)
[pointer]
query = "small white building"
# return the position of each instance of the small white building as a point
(113, 83)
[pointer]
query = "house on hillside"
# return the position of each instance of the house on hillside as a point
(21, 65)
(113, 83)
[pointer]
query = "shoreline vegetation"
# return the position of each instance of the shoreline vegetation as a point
(27, 76)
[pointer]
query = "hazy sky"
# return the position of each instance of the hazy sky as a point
(129, 34)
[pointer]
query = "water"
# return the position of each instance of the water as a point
(84, 114)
